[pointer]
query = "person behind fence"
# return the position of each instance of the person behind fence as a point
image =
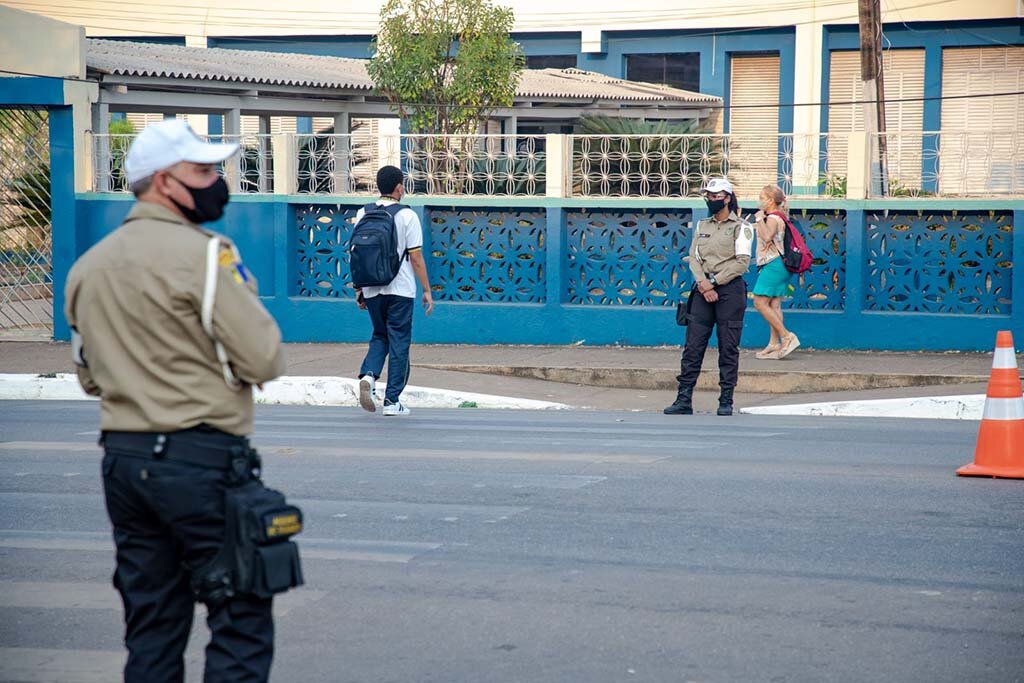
(719, 256)
(773, 276)
(169, 333)
(386, 260)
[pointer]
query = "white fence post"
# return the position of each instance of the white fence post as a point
(232, 133)
(558, 151)
(857, 175)
(286, 171)
(343, 148)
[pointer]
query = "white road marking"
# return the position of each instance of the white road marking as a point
(353, 550)
(406, 453)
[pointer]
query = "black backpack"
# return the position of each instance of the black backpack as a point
(373, 249)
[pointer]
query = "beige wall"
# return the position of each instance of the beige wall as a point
(33, 44)
(329, 17)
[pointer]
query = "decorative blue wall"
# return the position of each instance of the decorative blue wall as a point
(899, 275)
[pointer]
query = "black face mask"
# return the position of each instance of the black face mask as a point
(209, 201)
(715, 205)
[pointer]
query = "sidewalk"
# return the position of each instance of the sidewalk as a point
(638, 378)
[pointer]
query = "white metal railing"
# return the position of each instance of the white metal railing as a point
(950, 163)
(644, 166)
(680, 165)
(249, 171)
(493, 165)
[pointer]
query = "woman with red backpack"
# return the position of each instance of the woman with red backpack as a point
(773, 275)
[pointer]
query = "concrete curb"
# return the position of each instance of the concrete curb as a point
(310, 391)
(968, 407)
(750, 381)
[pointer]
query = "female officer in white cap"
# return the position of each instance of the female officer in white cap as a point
(719, 256)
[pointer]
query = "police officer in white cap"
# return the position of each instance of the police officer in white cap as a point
(169, 333)
(719, 256)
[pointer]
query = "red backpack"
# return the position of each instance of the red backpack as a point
(795, 254)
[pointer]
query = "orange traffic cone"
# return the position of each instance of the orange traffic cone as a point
(1000, 449)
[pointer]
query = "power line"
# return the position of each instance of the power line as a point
(780, 105)
(74, 79)
(249, 11)
(272, 21)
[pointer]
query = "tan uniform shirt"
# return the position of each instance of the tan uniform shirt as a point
(721, 249)
(135, 298)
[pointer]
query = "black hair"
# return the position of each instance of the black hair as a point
(734, 205)
(388, 178)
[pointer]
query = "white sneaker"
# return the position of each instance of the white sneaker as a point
(366, 388)
(395, 409)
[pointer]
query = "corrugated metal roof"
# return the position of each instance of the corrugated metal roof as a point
(218, 64)
(285, 68)
(587, 84)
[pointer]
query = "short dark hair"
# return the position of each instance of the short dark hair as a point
(388, 178)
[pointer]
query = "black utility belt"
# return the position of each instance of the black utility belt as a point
(197, 447)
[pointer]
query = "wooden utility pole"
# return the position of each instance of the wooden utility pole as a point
(873, 91)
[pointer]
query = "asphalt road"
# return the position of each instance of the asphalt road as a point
(513, 546)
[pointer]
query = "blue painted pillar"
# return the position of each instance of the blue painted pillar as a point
(62, 207)
(932, 118)
(284, 250)
(856, 266)
(555, 244)
(423, 213)
(215, 125)
(1017, 278)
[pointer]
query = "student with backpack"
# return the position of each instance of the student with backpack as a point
(386, 260)
(775, 256)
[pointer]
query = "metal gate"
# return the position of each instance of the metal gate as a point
(26, 231)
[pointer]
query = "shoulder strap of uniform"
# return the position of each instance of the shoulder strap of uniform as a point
(744, 238)
(206, 312)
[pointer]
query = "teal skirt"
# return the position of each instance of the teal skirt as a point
(773, 279)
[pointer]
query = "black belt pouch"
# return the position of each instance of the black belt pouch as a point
(266, 561)
(683, 309)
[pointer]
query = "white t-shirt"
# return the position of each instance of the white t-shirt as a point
(410, 237)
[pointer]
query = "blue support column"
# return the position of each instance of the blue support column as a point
(1017, 278)
(62, 208)
(554, 254)
(284, 249)
(423, 213)
(932, 117)
(856, 264)
(215, 125)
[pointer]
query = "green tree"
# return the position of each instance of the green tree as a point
(446, 65)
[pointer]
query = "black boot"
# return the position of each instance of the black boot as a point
(725, 401)
(683, 404)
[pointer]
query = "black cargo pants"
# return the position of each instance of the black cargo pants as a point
(726, 315)
(168, 519)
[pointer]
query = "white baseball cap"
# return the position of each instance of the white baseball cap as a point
(167, 143)
(719, 185)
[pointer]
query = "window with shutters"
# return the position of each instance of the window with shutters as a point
(679, 70)
(551, 61)
(140, 121)
(981, 149)
(278, 124)
(754, 123)
(903, 77)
